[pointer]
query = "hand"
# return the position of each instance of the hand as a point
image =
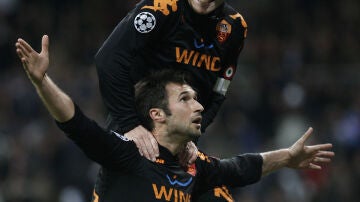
(302, 156)
(35, 64)
(188, 155)
(204, 6)
(145, 142)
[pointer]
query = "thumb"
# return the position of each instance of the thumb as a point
(306, 135)
(45, 45)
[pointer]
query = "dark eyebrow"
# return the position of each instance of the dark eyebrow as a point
(188, 92)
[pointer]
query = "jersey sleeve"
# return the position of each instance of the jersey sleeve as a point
(211, 111)
(233, 31)
(120, 52)
(107, 148)
(235, 172)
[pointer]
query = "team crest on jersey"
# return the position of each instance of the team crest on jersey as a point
(223, 29)
(144, 22)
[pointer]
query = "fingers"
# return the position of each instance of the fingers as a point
(45, 44)
(306, 135)
(188, 155)
(183, 156)
(27, 49)
(328, 154)
(319, 147)
(21, 51)
(154, 145)
(145, 142)
(321, 160)
(193, 153)
(21, 55)
(314, 166)
(149, 150)
(321, 157)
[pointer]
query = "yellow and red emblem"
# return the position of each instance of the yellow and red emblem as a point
(223, 29)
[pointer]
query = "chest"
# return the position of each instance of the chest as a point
(152, 182)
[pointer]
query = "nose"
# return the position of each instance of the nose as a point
(198, 107)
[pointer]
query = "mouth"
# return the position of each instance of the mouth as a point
(197, 120)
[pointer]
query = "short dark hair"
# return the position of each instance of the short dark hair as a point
(150, 92)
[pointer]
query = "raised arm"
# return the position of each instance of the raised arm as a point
(107, 148)
(298, 156)
(35, 64)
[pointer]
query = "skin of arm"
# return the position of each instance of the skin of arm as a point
(298, 156)
(35, 64)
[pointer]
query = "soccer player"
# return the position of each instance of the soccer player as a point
(169, 108)
(203, 37)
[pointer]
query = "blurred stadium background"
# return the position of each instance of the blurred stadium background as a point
(300, 67)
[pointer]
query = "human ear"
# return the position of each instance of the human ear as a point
(157, 114)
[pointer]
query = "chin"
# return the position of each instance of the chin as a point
(197, 133)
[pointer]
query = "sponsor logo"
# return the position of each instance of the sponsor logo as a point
(163, 6)
(223, 29)
(176, 182)
(197, 59)
(202, 45)
(120, 136)
(170, 194)
(144, 22)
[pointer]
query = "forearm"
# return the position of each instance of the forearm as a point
(60, 105)
(274, 160)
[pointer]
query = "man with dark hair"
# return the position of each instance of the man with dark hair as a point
(203, 37)
(175, 120)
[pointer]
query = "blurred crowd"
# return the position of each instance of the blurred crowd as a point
(300, 67)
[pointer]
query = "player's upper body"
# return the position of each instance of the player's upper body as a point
(160, 34)
(127, 176)
(170, 110)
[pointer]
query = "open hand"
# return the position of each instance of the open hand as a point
(34, 63)
(302, 156)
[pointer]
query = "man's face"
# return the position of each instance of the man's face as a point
(185, 118)
(204, 6)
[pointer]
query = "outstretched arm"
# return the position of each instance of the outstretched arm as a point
(298, 156)
(35, 64)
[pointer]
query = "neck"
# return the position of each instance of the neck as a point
(174, 143)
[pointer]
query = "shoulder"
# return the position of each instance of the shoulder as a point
(160, 7)
(234, 18)
(154, 14)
